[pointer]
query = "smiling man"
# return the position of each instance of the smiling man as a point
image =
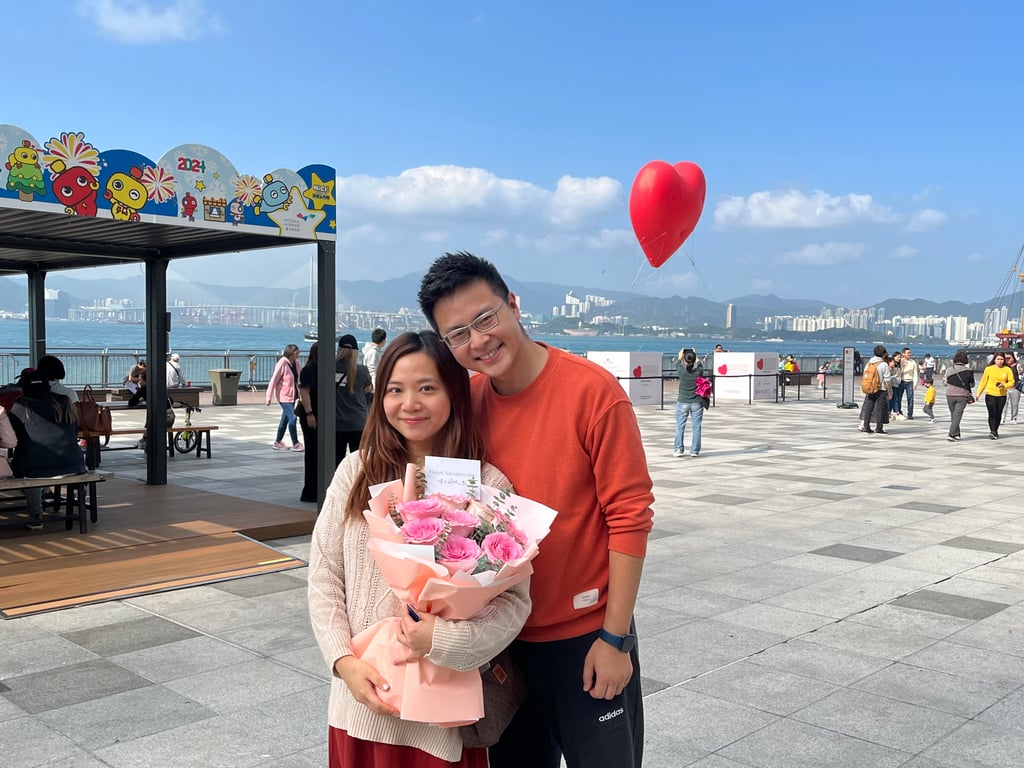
(563, 431)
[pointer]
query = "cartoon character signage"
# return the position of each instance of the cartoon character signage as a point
(191, 185)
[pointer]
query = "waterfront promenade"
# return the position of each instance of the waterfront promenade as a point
(812, 596)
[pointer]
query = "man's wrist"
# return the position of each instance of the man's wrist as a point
(624, 643)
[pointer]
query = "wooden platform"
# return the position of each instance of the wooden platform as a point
(148, 538)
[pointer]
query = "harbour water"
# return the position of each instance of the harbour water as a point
(76, 335)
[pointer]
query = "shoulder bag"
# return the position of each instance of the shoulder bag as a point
(91, 416)
(504, 686)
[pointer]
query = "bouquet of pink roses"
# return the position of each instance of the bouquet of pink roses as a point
(449, 553)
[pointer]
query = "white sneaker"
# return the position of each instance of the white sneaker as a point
(1013, 421)
(279, 446)
(677, 454)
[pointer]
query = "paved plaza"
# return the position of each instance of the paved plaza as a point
(812, 596)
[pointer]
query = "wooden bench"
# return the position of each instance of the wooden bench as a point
(178, 395)
(186, 395)
(81, 495)
(101, 394)
(94, 445)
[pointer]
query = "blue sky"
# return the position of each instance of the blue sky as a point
(853, 151)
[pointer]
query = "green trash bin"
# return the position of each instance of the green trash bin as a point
(224, 382)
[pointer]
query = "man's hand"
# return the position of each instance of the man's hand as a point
(606, 671)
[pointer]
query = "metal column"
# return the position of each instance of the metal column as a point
(326, 325)
(156, 375)
(36, 315)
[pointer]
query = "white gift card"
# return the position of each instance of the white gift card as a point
(452, 476)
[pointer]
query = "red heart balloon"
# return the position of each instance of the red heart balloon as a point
(723, 369)
(665, 204)
(760, 364)
(637, 372)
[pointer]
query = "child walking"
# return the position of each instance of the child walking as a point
(929, 402)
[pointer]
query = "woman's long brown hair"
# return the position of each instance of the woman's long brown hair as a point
(384, 451)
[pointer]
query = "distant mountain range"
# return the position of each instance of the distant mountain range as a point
(537, 298)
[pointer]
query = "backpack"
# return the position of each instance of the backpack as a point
(871, 381)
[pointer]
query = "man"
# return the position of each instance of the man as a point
(372, 350)
(928, 369)
(136, 377)
(174, 377)
(565, 434)
(909, 374)
(875, 396)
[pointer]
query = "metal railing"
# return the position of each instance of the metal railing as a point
(108, 368)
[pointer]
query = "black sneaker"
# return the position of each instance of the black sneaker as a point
(881, 432)
(35, 525)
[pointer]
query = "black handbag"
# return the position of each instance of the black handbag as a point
(504, 686)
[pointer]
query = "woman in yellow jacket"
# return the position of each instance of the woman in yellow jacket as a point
(995, 381)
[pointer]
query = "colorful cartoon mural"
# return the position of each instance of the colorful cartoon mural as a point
(191, 185)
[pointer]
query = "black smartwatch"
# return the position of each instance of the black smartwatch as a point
(624, 643)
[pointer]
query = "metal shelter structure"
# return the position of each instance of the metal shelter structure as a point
(66, 205)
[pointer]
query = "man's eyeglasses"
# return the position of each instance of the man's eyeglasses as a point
(485, 321)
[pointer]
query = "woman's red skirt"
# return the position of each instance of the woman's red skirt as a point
(347, 752)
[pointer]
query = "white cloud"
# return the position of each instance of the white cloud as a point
(792, 209)
(822, 254)
(455, 191)
(975, 256)
(926, 219)
(903, 252)
(576, 200)
(137, 22)
(924, 194)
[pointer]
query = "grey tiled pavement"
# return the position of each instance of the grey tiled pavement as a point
(812, 596)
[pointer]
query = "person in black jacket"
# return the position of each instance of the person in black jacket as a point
(47, 429)
(352, 386)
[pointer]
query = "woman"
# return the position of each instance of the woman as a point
(47, 434)
(284, 385)
(352, 388)
(688, 402)
(995, 381)
(1013, 393)
(959, 383)
(307, 420)
(421, 408)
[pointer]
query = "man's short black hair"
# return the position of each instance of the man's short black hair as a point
(378, 335)
(450, 272)
(880, 350)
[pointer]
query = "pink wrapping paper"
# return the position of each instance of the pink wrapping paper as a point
(420, 691)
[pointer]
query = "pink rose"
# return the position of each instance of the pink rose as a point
(481, 510)
(459, 501)
(459, 554)
(517, 533)
(463, 523)
(427, 530)
(501, 547)
(421, 508)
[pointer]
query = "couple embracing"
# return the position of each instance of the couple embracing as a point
(557, 429)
